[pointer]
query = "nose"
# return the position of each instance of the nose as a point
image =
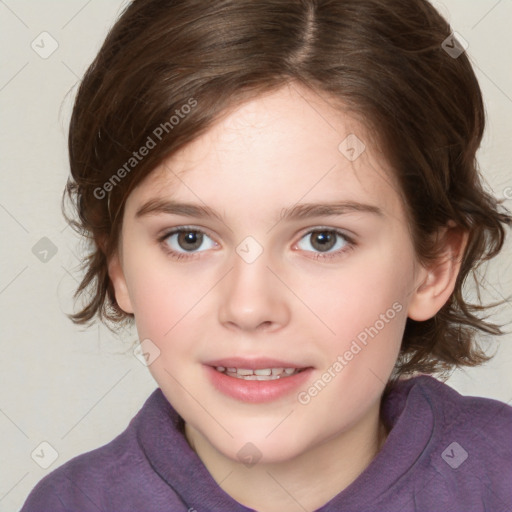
(253, 298)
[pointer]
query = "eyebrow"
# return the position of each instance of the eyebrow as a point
(157, 206)
(303, 211)
(296, 212)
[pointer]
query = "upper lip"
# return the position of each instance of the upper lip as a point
(257, 363)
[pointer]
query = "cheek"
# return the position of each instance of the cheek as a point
(160, 298)
(166, 308)
(363, 310)
(357, 295)
(157, 305)
(171, 309)
(367, 310)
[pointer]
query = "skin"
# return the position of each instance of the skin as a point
(292, 303)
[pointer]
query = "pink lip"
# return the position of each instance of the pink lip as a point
(256, 391)
(253, 364)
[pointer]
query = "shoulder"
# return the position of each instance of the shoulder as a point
(108, 477)
(451, 409)
(465, 417)
(468, 456)
(78, 483)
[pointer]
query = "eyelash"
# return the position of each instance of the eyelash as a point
(175, 254)
(349, 241)
(315, 255)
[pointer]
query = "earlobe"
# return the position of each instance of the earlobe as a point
(437, 282)
(116, 274)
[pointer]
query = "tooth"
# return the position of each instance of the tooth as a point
(259, 374)
(244, 371)
(263, 371)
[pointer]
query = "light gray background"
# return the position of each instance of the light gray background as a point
(77, 389)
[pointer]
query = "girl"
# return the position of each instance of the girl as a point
(282, 195)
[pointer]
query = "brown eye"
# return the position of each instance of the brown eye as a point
(324, 241)
(184, 240)
(190, 240)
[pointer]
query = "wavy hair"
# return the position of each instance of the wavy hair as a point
(387, 63)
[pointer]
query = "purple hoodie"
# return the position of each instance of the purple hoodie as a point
(445, 453)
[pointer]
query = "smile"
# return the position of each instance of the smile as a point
(258, 374)
(257, 380)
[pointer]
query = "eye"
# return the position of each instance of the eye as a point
(324, 241)
(187, 240)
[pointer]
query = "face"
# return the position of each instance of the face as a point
(266, 244)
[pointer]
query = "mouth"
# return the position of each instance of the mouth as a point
(257, 380)
(261, 374)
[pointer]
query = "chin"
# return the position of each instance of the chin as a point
(251, 447)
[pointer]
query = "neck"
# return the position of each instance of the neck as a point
(305, 482)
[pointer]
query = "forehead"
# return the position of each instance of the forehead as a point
(282, 147)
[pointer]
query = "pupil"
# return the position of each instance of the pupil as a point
(190, 240)
(323, 240)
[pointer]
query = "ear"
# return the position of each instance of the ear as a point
(437, 281)
(116, 274)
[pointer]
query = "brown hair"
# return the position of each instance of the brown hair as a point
(172, 67)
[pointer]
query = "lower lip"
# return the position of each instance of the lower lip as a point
(257, 391)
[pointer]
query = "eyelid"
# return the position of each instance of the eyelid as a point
(162, 238)
(325, 256)
(166, 233)
(347, 235)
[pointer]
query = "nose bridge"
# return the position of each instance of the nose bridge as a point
(251, 296)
